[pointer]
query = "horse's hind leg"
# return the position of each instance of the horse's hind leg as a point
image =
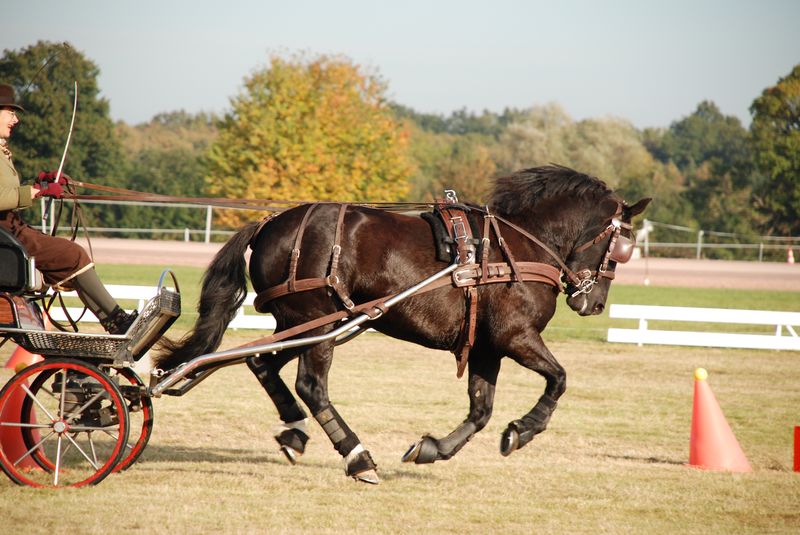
(292, 435)
(483, 369)
(312, 387)
(530, 352)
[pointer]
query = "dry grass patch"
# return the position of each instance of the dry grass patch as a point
(612, 460)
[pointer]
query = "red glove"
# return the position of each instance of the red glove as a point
(50, 176)
(50, 189)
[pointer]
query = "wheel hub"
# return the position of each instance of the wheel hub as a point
(60, 426)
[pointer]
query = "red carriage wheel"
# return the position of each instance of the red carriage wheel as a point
(73, 421)
(140, 412)
(140, 416)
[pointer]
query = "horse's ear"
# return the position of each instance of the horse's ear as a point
(639, 207)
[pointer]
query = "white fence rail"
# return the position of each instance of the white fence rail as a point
(142, 294)
(787, 321)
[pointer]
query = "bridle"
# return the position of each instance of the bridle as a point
(620, 249)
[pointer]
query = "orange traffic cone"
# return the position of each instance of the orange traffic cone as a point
(11, 441)
(713, 445)
(21, 358)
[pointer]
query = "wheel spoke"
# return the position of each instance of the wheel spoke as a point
(63, 392)
(36, 400)
(34, 448)
(75, 414)
(58, 461)
(88, 429)
(20, 424)
(77, 446)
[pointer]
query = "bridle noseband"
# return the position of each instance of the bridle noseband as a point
(620, 249)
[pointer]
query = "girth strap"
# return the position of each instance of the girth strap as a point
(457, 224)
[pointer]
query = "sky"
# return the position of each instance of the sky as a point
(650, 62)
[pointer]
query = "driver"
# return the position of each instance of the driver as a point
(64, 263)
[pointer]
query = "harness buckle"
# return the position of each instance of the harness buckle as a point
(459, 228)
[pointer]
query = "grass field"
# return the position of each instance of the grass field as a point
(612, 461)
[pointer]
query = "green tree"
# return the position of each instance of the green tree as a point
(776, 140)
(310, 129)
(168, 131)
(43, 76)
(178, 172)
(712, 151)
(611, 149)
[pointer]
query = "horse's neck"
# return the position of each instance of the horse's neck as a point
(558, 229)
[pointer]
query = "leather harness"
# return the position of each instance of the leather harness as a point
(468, 276)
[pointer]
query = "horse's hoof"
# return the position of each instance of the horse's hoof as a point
(509, 442)
(291, 454)
(370, 476)
(360, 466)
(293, 443)
(423, 452)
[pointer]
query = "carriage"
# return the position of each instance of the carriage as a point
(479, 281)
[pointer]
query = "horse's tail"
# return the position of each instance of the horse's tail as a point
(223, 291)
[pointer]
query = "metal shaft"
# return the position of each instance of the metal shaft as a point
(222, 357)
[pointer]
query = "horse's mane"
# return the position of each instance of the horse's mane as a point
(523, 190)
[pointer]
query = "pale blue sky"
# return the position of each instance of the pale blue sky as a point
(650, 62)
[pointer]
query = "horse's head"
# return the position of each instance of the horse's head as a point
(582, 221)
(605, 242)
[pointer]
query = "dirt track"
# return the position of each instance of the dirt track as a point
(655, 271)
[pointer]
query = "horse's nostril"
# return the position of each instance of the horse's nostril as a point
(599, 308)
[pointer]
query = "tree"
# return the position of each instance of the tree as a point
(776, 140)
(43, 76)
(608, 148)
(712, 152)
(708, 136)
(178, 172)
(311, 129)
(168, 131)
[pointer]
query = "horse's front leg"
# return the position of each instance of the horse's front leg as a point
(483, 369)
(312, 387)
(530, 352)
(292, 435)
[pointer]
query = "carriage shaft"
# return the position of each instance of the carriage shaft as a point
(222, 358)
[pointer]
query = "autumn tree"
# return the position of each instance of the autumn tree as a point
(310, 129)
(776, 139)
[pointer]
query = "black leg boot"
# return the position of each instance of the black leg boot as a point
(97, 299)
(119, 321)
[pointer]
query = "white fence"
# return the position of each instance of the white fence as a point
(142, 294)
(643, 335)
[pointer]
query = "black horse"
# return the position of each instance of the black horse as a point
(551, 215)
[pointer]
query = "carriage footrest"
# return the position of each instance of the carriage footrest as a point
(155, 318)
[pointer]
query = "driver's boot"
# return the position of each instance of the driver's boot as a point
(97, 299)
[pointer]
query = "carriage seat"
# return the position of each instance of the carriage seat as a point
(19, 274)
